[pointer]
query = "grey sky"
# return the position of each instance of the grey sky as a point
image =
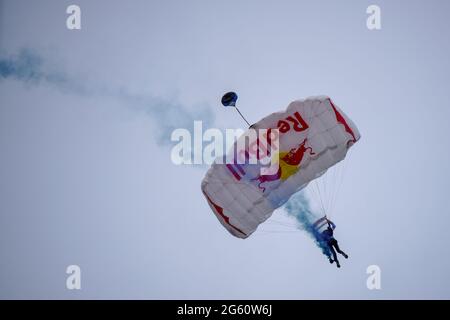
(86, 180)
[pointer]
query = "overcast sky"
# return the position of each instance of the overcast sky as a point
(85, 171)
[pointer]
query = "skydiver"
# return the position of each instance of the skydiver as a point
(332, 244)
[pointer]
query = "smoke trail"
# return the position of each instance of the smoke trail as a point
(26, 66)
(299, 208)
(31, 68)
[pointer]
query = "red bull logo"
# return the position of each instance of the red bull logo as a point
(295, 156)
(260, 146)
(255, 147)
(289, 164)
(296, 121)
(267, 178)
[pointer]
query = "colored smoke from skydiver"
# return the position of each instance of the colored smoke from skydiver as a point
(299, 208)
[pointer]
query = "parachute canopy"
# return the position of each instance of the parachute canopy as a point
(313, 135)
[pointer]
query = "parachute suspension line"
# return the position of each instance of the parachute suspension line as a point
(281, 223)
(320, 197)
(316, 191)
(341, 179)
(335, 173)
(326, 195)
(329, 195)
(242, 115)
(268, 232)
(313, 193)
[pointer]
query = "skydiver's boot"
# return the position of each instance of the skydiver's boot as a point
(337, 264)
(345, 255)
(331, 260)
